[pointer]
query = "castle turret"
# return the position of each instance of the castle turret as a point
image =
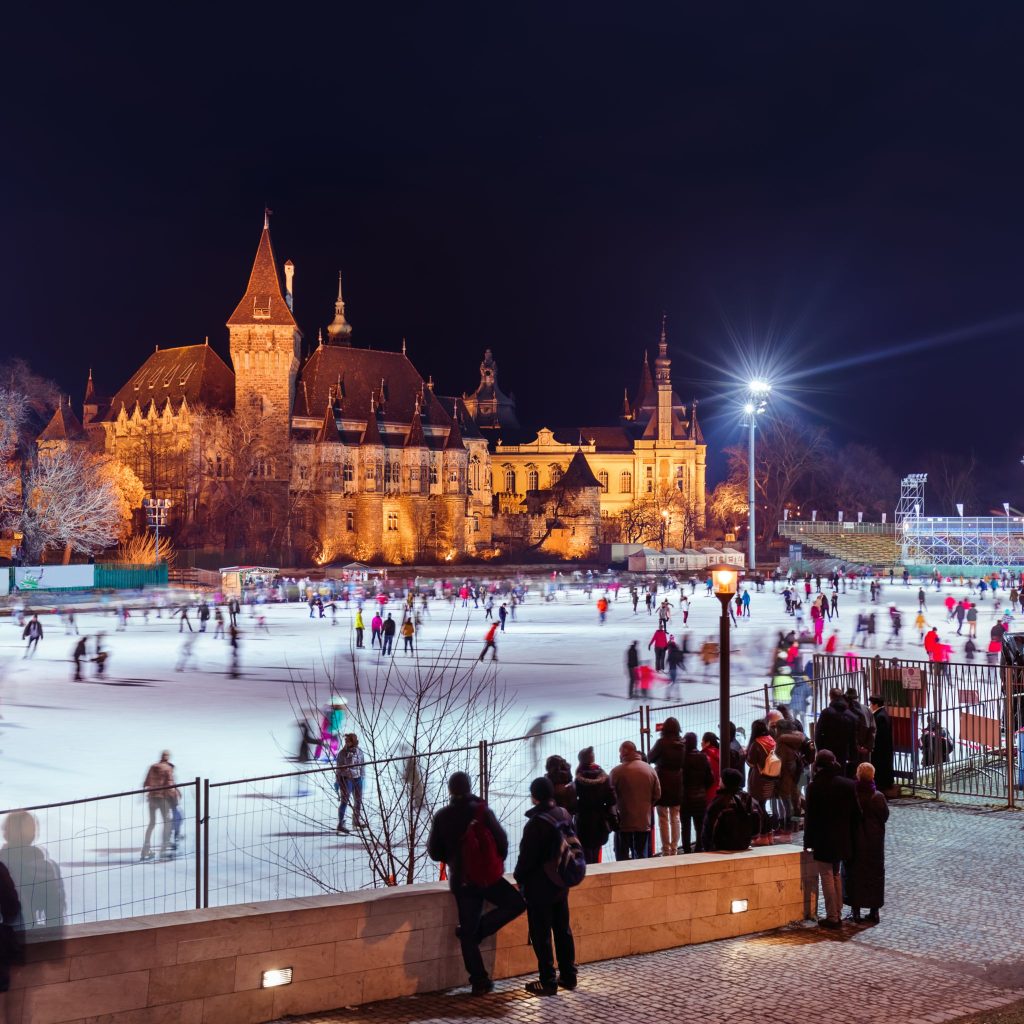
(339, 330)
(663, 383)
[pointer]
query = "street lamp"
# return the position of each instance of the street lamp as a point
(757, 392)
(156, 516)
(724, 578)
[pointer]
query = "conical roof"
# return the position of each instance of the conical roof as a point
(454, 439)
(645, 392)
(415, 438)
(328, 433)
(263, 301)
(371, 435)
(579, 474)
(63, 425)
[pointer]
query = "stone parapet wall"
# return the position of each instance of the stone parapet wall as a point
(205, 966)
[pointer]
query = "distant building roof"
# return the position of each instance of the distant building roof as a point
(578, 474)
(263, 301)
(64, 425)
(191, 372)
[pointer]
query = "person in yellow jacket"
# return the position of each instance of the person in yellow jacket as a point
(408, 630)
(359, 627)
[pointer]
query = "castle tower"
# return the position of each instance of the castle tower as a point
(663, 383)
(265, 346)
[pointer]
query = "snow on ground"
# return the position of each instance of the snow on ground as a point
(62, 740)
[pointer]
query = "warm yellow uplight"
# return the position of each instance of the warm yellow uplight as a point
(724, 578)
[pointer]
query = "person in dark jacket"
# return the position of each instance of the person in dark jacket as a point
(864, 876)
(595, 802)
(835, 730)
(882, 753)
(936, 744)
(730, 793)
(697, 781)
(737, 753)
(833, 817)
(864, 725)
(10, 913)
(666, 757)
(559, 774)
(445, 845)
(547, 904)
(632, 664)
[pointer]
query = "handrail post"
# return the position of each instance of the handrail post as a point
(199, 845)
(206, 842)
(1010, 730)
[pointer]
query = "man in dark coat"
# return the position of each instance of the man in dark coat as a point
(445, 844)
(833, 816)
(547, 904)
(864, 726)
(632, 664)
(835, 731)
(882, 753)
(10, 912)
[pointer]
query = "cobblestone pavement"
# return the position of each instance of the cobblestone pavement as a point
(951, 944)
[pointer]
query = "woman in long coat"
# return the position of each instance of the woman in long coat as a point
(666, 757)
(865, 874)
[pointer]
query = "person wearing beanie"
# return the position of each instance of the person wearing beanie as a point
(448, 833)
(830, 829)
(558, 772)
(637, 790)
(595, 805)
(739, 825)
(547, 904)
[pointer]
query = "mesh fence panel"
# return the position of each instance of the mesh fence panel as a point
(82, 861)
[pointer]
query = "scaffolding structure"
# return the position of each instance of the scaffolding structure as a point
(995, 542)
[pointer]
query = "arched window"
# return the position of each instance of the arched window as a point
(474, 473)
(603, 480)
(433, 472)
(348, 473)
(556, 473)
(510, 480)
(533, 479)
(476, 522)
(625, 482)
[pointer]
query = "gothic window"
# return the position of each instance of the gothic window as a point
(348, 472)
(335, 475)
(533, 479)
(625, 482)
(680, 477)
(476, 522)
(392, 522)
(303, 472)
(556, 473)
(603, 478)
(510, 480)
(350, 521)
(649, 481)
(474, 473)
(433, 472)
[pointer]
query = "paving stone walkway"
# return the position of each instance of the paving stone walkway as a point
(951, 943)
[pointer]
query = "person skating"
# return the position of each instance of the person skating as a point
(547, 900)
(388, 635)
(33, 632)
(376, 626)
(161, 796)
(632, 664)
(659, 641)
(218, 623)
(184, 619)
(408, 632)
(475, 873)
(489, 643)
(77, 655)
(502, 616)
(349, 777)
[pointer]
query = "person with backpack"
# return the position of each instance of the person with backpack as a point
(765, 768)
(733, 817)
(467, 837)
(550, 862)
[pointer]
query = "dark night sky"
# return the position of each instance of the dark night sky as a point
(544, 180)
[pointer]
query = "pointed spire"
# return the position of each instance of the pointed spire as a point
(415, 438)
(320, 337)
(371, 435)
(453, 442)
(627, 411)
(263, 301)
(90, 391)
(403, 346)
(339, 330)
(696, 434)
(645, 391)
(663, 340)
(329, 428)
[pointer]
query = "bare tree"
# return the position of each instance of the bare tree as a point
(418, 721)
(69, 501)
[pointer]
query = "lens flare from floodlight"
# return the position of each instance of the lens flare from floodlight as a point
(759, 387)
(748, 408)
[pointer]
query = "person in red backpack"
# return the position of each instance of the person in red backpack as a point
(467, 837)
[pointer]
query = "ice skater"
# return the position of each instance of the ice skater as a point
(77, 655)
(186, 654)
(489, 643)
(161, 796)
(33, 632)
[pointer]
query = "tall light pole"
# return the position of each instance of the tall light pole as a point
(757, 392)
(724, 578)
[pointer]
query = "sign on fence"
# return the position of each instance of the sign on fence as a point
(54, 577)
(912, 679)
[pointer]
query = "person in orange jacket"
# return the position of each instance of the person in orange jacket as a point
(489, 643)
(602, 608)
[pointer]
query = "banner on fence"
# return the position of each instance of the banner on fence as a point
(54, 577)
(912, 679)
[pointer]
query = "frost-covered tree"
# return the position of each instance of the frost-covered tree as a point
(70, 500)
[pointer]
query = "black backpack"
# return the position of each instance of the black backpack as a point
(568, 867)
(734, 827)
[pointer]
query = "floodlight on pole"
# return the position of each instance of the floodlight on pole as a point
(757, 391)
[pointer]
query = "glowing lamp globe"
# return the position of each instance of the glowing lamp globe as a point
(724, 578)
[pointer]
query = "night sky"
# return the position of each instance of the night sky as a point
(827, 181)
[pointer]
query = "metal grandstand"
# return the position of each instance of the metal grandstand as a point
(983, 543)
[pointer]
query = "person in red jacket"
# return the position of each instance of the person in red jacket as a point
(489, 644)
(660, 644)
